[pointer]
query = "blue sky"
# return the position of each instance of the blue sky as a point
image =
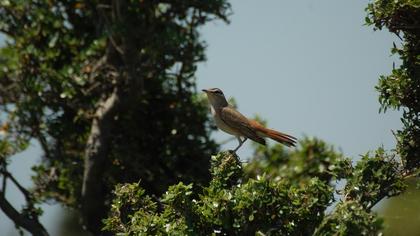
(307, 68)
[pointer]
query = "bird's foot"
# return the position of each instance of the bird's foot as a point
(232, 151)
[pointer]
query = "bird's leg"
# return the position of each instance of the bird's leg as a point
(240, 143)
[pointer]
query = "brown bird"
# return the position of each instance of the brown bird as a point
(233, 122)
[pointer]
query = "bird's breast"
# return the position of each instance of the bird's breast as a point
(223, 126)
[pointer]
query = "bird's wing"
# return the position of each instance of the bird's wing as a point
(240, 123)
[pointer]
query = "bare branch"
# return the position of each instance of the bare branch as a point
(28, 222)
(25, 192)
(32, 225)
(4, 185)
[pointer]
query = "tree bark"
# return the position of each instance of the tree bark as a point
(96, 152)
(97, 148)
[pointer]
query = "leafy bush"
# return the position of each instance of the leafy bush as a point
(278, 192)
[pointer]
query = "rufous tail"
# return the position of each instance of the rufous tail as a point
(283, 138)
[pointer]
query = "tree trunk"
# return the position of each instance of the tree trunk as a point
(96, 152)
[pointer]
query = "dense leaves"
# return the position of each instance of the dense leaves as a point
(350, 218)
(401, 89)
(276, 193)
(374, 178)
(314, 159)
(228, 206)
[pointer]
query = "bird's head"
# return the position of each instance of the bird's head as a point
(216, 97)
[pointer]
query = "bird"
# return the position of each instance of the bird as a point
(231, 121)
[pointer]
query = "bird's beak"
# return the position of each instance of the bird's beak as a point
(204, 90)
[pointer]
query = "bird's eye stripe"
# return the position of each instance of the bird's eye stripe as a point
(218, 91)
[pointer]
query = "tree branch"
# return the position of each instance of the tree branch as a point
(384, 194)
(9, 90)
(25, 192)
(31, 225)
(28, 222)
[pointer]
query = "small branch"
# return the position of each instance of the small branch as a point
(107, 28)
(4, 185)
(378, 199)
(383, 195)
(25, 192)
(411, 174)
(6, 32)
(9, 90)
(44, 144)
(117, 48)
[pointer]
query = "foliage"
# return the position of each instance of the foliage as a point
(107, 88)
(373, 178)
(315, 158)
(401, 89)
(350, 218)
(276, 193)
(228, 206)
